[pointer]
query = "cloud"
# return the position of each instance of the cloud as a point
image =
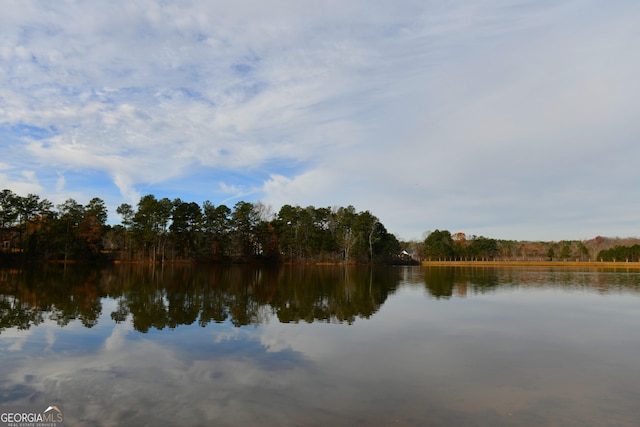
(468, 116)
(114, 382)
(506, 135)
(19, 185)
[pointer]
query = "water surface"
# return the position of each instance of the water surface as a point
(317, 346)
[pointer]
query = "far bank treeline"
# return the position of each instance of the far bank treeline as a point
(442, 245)
(164, 230)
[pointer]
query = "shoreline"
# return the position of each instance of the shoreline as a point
(562, 264)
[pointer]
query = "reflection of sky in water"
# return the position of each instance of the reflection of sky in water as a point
(523, 356)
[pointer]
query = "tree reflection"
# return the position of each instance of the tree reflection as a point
(156, 298)
(444, 282)
(27, 296)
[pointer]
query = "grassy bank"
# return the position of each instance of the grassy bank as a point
(558, 264)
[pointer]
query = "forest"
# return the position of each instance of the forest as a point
(164, 230)
(442, 245)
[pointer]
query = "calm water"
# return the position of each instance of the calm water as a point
(326, 346)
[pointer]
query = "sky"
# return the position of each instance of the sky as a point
(500, 118)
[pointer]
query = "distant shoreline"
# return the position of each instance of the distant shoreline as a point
(561, 264)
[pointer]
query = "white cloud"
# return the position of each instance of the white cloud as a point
(427, 114)
(60, 183)
(19, 186)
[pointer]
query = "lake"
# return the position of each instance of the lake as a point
(323, 345)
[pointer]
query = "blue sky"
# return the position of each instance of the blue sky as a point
(509, 119)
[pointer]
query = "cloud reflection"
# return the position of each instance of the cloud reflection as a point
(151, 379)
(519, 355)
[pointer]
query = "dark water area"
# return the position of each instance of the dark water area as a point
(135, 345)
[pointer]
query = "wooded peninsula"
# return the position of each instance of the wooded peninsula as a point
(164, 230)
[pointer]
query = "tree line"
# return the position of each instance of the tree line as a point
(161, 230)
(442, 245)
(620, 253)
